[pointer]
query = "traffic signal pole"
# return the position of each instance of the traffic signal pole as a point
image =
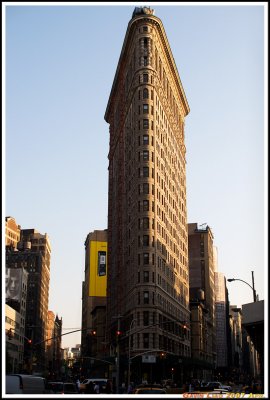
(117, 357)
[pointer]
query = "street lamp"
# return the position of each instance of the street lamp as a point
(252, 287)
(129, 343)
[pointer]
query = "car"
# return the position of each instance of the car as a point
(61, 388)
(215, 391)
(24, 384)
(102, 382)
(150, 390)
(217, 385)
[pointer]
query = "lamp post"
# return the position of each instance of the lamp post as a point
(252, 287)
(129, 343)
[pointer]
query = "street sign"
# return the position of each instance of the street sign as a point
(148, 359)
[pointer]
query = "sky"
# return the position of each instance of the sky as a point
(60, 62)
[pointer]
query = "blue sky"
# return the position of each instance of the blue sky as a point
(60, 65)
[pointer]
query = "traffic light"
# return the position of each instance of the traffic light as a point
(9, 334)
(93, 333)
(184, 329)
(118, 333)
(29, 341)
(162, 355)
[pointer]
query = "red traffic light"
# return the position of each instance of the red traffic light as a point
(9, 334)
(30, 341)
(118, 333)
(93, 333)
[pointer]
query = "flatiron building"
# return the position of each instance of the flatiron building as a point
(148, 282)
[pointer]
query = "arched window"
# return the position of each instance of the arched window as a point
(145, 93)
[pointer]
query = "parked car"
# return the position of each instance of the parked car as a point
(150, 389)
(217, 385)
(61, 388)
(25, 384)
(215, 391)
(102, 382)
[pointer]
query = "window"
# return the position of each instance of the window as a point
(145, 42)
(146, 276)
(145, 172)
(145, 223)
(145, 205)
(145, 108)
(145, 78)
(145, 240)
(146, 188)
(146, 340)
(145, 139)
(146, 124)
(146, 155)
(145, 93)
(145, 61)
(145, 318)
(146, 297)
(145, 258)
(145, 29)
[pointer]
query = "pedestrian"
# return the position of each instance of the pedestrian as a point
(109, 388)
(78, 383)
(130, 388)
(89, 388)
(96, 388)
(123, 388)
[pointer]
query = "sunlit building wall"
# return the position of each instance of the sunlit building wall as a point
(221, 320)
(12, 232)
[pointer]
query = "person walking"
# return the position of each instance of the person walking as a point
(78, 384)
(96, 388)
(109, 388)
(90, 388)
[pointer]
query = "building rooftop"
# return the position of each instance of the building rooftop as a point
(142, 10)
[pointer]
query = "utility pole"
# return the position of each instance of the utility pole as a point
(117, 355)
(30, 342)
(129, 345)
(117, 360)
